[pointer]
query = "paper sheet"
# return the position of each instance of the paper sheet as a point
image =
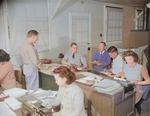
(54, 64)
(88, 74)
(5, 110)
(2, 95)
(83, 80)
(13, 103)
(105, 83)
(42, 94)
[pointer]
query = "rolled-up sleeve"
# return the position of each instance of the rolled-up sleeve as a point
(83, 61)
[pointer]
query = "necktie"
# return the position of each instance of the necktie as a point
(73, 55)
(35, 52)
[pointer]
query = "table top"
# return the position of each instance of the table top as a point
(52, 66)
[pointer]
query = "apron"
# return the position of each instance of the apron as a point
(32, 76)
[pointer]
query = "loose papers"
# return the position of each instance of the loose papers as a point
(13, 103)
(5, 110)
(15, 92)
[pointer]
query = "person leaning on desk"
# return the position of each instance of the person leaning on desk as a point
(7, 75)
(31, 61)
(138, 75)
(117, 64)
(70, 95)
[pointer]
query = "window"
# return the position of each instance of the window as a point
(139, 21)
(114, 24)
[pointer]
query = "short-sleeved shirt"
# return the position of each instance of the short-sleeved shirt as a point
(29, 54)
(77, 60)
(117, 65)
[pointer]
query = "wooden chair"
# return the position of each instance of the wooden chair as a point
(23, 78)
(20, 78)
(88, 107)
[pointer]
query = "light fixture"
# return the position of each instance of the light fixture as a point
(148, 5)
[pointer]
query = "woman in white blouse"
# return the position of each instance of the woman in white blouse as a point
(70, 95)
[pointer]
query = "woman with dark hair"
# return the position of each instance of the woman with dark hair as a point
(7, 76)
(70, 95)
(136, 74)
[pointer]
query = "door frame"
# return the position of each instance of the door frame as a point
(78, 15)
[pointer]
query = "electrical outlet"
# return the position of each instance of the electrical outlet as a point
(100, 35)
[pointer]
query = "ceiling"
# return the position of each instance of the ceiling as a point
(134, 3)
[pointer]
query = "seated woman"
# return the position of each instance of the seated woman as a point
(7, 75)
(70, 95)
(137, 74)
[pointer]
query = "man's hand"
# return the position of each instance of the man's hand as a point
(108, 74)
(98, 63)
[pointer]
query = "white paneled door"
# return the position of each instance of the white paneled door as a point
(80, 32)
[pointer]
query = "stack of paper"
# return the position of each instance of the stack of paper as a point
(5, 110)
(106, 85)
(39, 94)
(13, 103)
(15, 92)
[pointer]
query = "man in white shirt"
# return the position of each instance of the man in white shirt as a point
(73, 57)
(118, 62)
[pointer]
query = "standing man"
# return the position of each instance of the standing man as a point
(31, 61)
(101, 59)
(73, 57)
(118, 62)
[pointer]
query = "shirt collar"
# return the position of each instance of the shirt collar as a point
(102, 52)
(72, 53)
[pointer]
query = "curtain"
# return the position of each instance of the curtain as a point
(25, 15)
(2, 27)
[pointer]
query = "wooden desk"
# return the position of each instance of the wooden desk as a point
(113, 104)
(116, 104)
(47, 82)
(46, 78)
